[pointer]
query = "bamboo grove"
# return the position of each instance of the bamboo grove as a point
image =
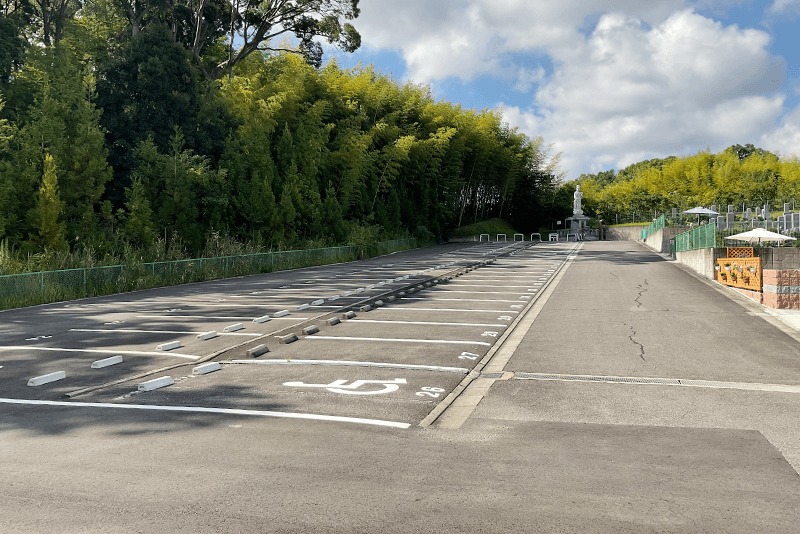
(744, 176)
(111, 142)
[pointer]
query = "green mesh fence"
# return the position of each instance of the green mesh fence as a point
(701, 237)
(17, 290)
(654, 227)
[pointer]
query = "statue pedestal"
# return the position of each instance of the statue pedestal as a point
(577, 223)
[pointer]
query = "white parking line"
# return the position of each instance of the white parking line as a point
(100, 351)
(462, 284)
(346, 363)
(400, 340)
(476, 279)
(235, 305)
(217, 318)
(431, 290)
(223, 411)
(423, 322)
(532, 275)
(451, 310)
(154, 331)
(461, 300)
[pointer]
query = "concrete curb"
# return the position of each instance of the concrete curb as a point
(454, 395)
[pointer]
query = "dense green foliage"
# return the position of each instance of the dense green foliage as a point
(120, 137)
(491, 227)
(740, 175)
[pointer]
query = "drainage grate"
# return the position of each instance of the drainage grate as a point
(589, 378)
(781, 388)
(491, 375)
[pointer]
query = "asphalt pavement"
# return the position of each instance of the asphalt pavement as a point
(491, 387)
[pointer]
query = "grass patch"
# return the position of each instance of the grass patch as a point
(491, 227)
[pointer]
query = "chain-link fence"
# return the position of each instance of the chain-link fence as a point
(17, 290)
(659, 224)
(704, 236)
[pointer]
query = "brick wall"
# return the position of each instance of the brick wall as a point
(782, 288)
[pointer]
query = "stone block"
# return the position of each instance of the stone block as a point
(770, 276)
(770, 300)
(785, 301)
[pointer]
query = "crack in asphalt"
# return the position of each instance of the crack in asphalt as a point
(642, 290)
(639, 345)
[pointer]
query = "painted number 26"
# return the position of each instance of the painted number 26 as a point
(430, 392)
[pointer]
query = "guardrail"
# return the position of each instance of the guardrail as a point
(27, 289)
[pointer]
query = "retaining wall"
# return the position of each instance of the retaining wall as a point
(700, 261)
(779, 257)
(659, 241)
(626, 233)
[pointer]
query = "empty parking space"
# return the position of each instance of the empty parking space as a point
(405, 354)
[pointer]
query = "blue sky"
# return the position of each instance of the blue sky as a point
(605, 83)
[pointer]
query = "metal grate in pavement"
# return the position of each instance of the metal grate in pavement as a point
(780, 388)
(491, 375)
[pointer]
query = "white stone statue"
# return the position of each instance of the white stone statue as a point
(576, 205)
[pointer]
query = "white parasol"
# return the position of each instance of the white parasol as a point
(757, 235)
(700, 210)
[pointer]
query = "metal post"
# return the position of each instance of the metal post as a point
(84, 283)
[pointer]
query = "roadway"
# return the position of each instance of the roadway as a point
(494, 387)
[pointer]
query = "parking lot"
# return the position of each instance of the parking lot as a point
(377, 342)
(572, 387)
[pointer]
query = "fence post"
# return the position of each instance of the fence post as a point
(41, 275)
(84, 283)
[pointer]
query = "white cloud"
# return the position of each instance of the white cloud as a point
(630, 91)
(786, 138)
(527, 78)
(780, 5)
(628, 80)
(467, 38)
